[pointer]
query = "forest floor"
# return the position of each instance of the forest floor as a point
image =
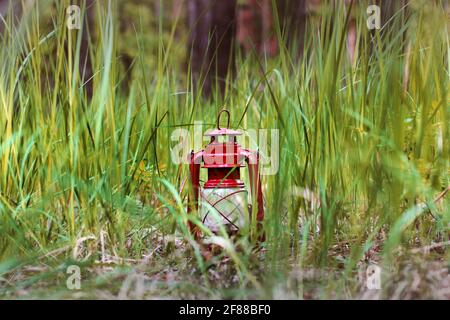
(421, 273)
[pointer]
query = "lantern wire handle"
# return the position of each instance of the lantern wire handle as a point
(218, 118)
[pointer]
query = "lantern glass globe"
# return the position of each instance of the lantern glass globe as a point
(224, 206)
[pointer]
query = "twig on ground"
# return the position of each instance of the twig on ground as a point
(427, 249)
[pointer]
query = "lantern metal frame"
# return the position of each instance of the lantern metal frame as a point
(223, 161)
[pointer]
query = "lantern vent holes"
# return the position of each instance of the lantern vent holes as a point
(223, 139)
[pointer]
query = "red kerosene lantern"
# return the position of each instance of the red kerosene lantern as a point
(224, 190)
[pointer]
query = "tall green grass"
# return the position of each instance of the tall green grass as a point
(363, 147)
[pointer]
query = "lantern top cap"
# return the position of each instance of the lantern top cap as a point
(223, 131)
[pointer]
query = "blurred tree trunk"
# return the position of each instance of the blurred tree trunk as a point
(212, 26)
(249, 23)
(389, 8)
(7, 6)
(256, 24)
(86, 68)
(3, 11)
(255, 28)
(292, 18)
